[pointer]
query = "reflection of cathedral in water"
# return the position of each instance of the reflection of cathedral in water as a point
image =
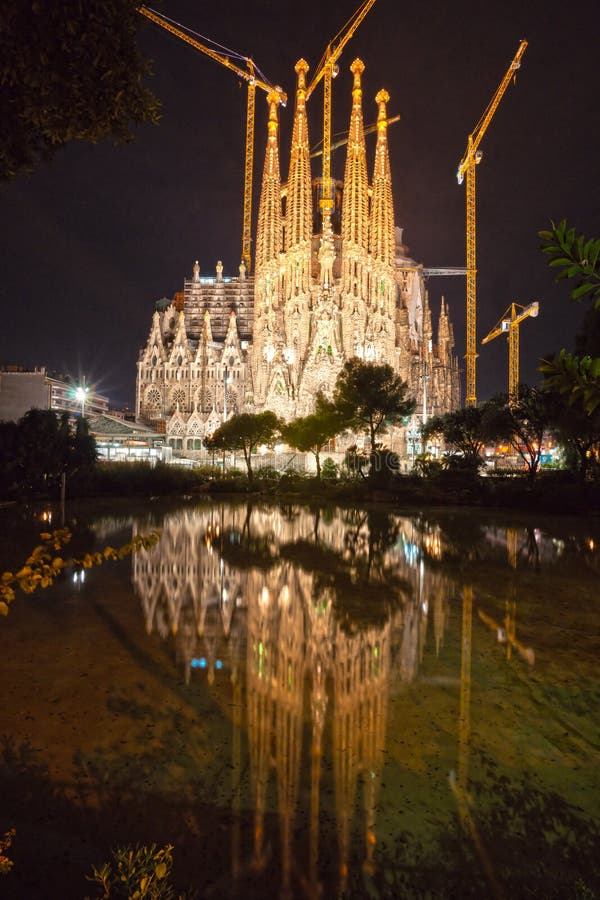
(266, 596)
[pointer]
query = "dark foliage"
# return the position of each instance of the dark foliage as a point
(69, 71)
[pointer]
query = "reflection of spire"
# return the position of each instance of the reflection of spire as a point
(288, 693)
(192, 584)
(259, 710)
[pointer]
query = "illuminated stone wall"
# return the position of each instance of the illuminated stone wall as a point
(271, 341)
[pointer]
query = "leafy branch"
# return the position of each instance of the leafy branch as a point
(139, 873)
(45, 564)
(576, 377)
(576, 258)
(6, 863)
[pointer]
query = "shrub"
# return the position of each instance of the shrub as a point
(329, 470)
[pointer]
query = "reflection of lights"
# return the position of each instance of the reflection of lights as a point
(591, 544)
(433, 545)
(262, 449)
(264, 597)
(219, 664)
(278, 448)
(284, 597)
(46, 516)
(225, 595)
(270, 353)
(411, 553)
(79, 577)
(425, 607)
(198, 663)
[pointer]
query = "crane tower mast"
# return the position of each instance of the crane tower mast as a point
(327, 70)
(250, 77)
(470, 160)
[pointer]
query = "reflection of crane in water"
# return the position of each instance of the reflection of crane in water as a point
(507, 633)
(459, 784)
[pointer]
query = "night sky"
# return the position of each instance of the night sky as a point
(93, 239)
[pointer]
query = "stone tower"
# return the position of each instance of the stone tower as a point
(272, 341)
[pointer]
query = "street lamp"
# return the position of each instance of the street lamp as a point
(81, 394)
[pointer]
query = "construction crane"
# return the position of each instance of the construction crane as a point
(509, 324)
(471, 158)
(369, 129)
(327, 70)
(433, 271)
(250, 77)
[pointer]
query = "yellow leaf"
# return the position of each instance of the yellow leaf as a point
(7, 577)
(3, 608)
(160, 870)
(44, 536)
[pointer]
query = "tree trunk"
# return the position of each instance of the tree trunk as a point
(248, 457)
(318, 461)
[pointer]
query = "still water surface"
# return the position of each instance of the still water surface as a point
(310, 703)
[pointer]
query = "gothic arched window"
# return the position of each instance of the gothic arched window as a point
(178, 397)
(153, 402)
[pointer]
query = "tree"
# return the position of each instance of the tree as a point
(578, 432)
(69, 71)
(245, 432)
(8, 456)
(41, 450)
(84, 451)
(309, 434)
(46, 447)
(576, 377)
(463, 431)
(371, 397)
(522, 423)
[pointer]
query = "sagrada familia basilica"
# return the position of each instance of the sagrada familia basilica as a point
(330, 283)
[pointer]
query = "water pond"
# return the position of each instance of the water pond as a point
(307, 702)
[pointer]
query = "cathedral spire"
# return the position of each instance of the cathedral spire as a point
(381, 237)
(355, 212)
(299, 193)
(268, 236)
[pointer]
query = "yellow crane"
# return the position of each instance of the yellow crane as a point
(471, 158)
(509, 324)
(250, 77)
(327, 70)
(317, 150)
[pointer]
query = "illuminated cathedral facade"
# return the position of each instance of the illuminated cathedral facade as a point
(332, 281)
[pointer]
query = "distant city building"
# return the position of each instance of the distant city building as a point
(331, 282)
(119, 440)
(24, 389)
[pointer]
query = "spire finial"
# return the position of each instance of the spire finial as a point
(382, 99)
(272, 100)
(301, 68)
(357, 68)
